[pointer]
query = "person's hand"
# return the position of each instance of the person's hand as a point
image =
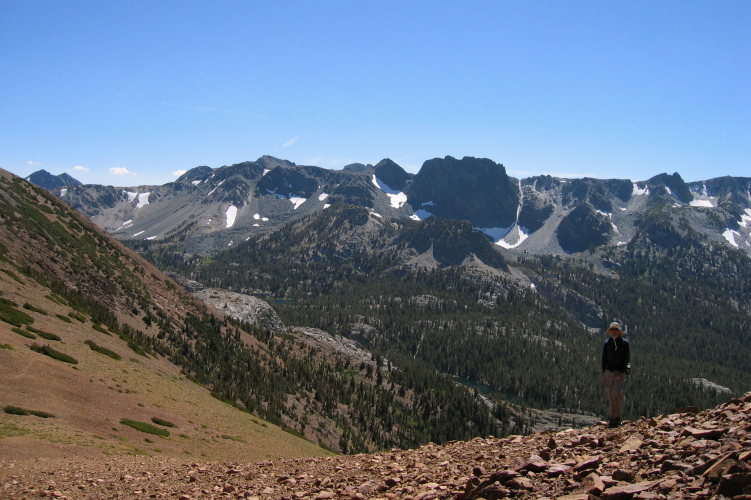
(619, 377)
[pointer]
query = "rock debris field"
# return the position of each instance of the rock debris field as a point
(689, 454)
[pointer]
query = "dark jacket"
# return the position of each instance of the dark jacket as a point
(615, 355)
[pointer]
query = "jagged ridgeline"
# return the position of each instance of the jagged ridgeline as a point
(436, 294)
(343, 405)
(210, 209)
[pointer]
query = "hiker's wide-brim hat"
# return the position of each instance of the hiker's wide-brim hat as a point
(615, 326)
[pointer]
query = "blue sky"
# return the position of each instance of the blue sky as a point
(132, 92)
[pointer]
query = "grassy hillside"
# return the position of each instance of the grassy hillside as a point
(78, 315)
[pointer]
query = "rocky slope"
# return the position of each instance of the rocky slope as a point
(688, 454)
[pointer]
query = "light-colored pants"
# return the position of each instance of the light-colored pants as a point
(615, 383)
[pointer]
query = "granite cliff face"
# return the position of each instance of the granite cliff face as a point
(472, 189)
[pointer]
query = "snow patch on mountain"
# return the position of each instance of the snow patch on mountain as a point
(131, 196)
(231, 216)
(125, 225)
(143, 200)
(195, 183)
(515, 237)
(701, 197)
(258, 217)
(297, 201)
(217, 187)
(63, 191)
(323, 196)
(730, 235)
(397, 198)
(421, 213)
(640, 191)
(138, 233)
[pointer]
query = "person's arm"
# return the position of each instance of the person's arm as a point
(604, 355)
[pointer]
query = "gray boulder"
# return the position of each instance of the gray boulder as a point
(242, 307)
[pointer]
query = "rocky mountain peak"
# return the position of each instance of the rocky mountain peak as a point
(195, 173)
(671, 185)
(473, 189)
(46, 180)
(392, 174)
(270, 162)
(357, 167)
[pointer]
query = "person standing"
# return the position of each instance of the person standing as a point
(616, 356)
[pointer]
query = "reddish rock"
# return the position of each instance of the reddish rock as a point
(520, 483)
(587, 463)
(632, 444)
(557, 470)
(627, 491)
(535, 463)
(592, 484)
(623, 475)
(735, 484)
(705, 433)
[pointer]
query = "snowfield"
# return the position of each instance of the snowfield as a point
(231, 216)
(730, 236)
(143, 200)
(397, 197)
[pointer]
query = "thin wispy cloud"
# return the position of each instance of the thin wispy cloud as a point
(290, 142)
(81, 168)
(121, 171)
(178, 173)
(33, 162)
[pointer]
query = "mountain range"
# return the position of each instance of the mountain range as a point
(211, 209)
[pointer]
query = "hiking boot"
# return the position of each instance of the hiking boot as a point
(614, 422)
